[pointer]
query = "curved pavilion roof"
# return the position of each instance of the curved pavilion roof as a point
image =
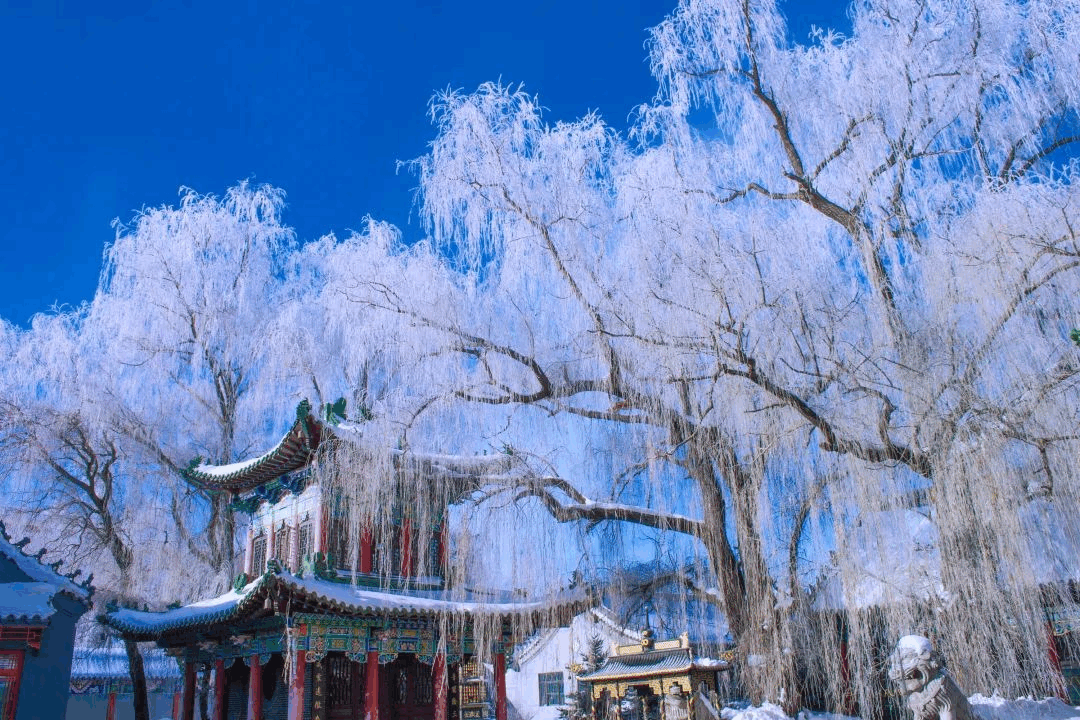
(315, 595)
(293, 452)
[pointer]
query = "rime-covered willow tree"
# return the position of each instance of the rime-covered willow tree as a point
(189, 300)
(817, 281)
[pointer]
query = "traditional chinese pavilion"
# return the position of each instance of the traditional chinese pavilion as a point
(311, 631)
(633, 681)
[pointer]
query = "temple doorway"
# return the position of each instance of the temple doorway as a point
(409, 689)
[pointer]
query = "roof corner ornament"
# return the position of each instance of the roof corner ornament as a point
(303, 409)
(917, 668)
(239, 582)
(334, 413)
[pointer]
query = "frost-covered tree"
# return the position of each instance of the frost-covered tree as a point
(818, 281)
(72, 479)
(189, 297)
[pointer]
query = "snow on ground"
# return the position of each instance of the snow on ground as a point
(987, 708)
(996, 708)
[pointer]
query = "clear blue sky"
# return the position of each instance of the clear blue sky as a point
(112, 106)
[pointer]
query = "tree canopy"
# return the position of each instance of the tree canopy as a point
(815, 284)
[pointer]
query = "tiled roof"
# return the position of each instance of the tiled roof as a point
(659, 662)
(646, 663)
(26, 602)
(31, 598)
(292, 452)
(112, 662)
(323, 596)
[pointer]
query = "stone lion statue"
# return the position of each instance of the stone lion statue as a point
(918, 670)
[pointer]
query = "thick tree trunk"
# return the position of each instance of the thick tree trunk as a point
(757, 622)
(204, 694)
(138, 679)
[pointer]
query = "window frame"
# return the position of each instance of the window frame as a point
(15, 674)
(546, 686)
(282, 545)
(305, 531)
(258, 569)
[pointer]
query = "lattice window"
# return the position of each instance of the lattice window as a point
(551, 688)
(281, 546)
(387, 560)
(425, 688)
(258, 555)
(339, 680)
(341, 550)
(10, 672)
(403, 686)
(306, 540)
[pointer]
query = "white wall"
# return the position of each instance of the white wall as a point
(554, 650)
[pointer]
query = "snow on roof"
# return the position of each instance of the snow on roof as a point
(26, 602)
(147, 624)
(655, 662)
(112, 662)
(292, 452)
(337, 597)
(38, 572)
(422, 602)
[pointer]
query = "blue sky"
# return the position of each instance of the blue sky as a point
(112, 106)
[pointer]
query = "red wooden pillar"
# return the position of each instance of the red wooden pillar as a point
(366, 553)
(1055, 662)
(296, 686)
(371, 691)
(438, 670)
(254, 708)
(219, 689)
(444, 543)
(176, 705)
(110, 712)
(500, 686)
(189, 691)
(406, 548)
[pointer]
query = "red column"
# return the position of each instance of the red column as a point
(254, 709)
(500, 686)
(176, 705)
(371, 692)
(296, 686)
(1055, 662)
(189, 691)
(110, 712)
(365, 551)
(406, 548)
(438, 670)
(219, 689)
(444, 543)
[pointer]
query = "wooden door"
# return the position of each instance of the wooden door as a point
(408, 688)
(344, 688)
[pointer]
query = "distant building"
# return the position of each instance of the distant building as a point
(636, 681)
(542, 678)
(38, 611)
(101, 684)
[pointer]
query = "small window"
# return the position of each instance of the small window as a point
(551, 688)
(258, 555)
